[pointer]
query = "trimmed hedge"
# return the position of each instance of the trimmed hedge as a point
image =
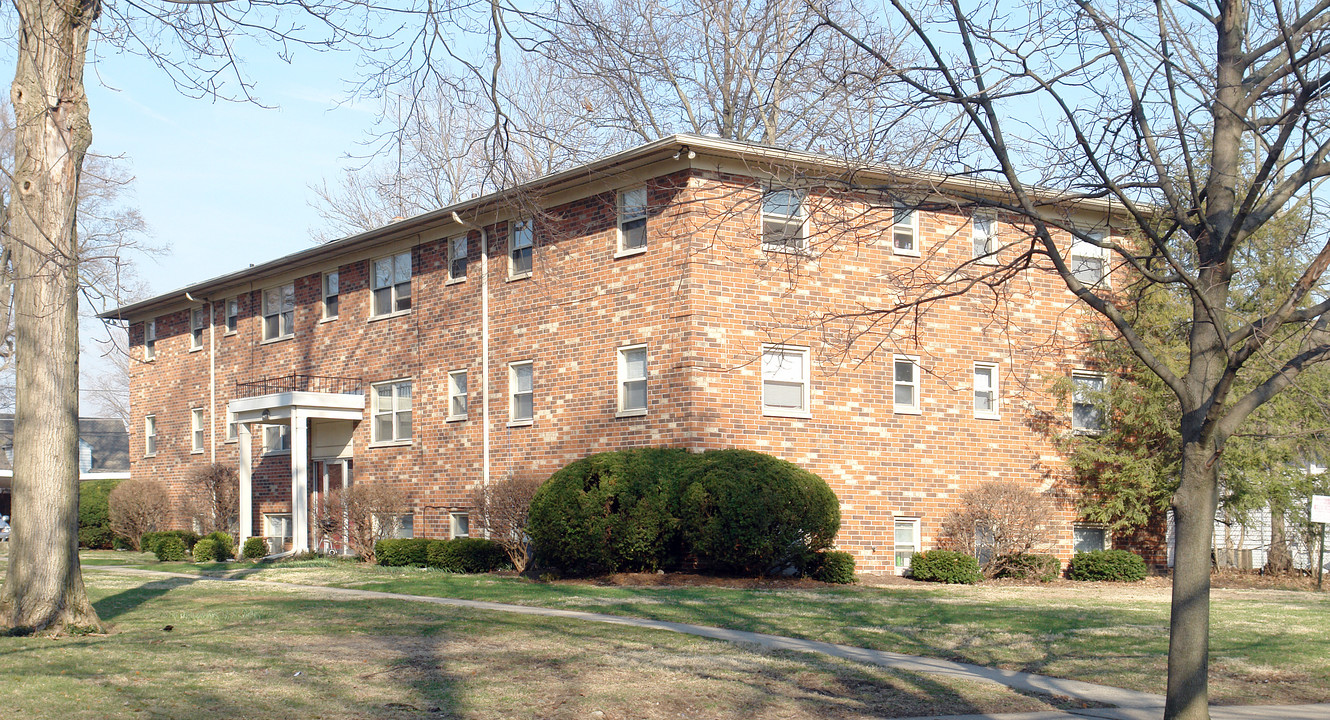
(402, 552)
(1030, 566)
(226, 545)
(95, 514)
(945, 566)
(835, 566)
(148, 543)
(170, 549)
(1111, 565)
(255, 548)
(466, 555)
(732, 511)
(205, 550)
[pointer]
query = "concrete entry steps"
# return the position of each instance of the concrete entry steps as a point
(1128, 704)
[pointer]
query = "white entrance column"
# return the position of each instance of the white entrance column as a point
(246, 483)
(299, 481)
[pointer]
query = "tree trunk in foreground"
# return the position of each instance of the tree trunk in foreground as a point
(1194, 507)
(43, 588)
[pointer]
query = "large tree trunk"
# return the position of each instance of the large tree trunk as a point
(1194, 507)
(43, 587)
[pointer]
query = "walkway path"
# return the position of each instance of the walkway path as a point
(1128, 704)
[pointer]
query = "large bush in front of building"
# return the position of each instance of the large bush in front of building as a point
(945, 566)
(609, 512)
(466, 555)
(95, 514)
(1110, 565)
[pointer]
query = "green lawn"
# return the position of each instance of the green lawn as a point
(1268, 646)
(180, 648)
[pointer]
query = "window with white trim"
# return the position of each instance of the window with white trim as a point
(905, 384)
(632, 220)
(784, 222)
(984, 230)
(904, 231)
(279, 312)
(390, 285)
(198, 320)
(149, 435)
(232, 315)
(405, 526)
(986, 390)
(1086, 414)
(278, 526)
(521, 399)
(459, 525)
(1089, 262)
(276, 439)
(85, 456)
(632, 380)
(457, 395)
(391, 411)
(1088, 538)
(521, 248)
(906, 542)
(457, 259)
(196, 430)
(232, 427)
(150, 339)
(785, 380)
(331, 294)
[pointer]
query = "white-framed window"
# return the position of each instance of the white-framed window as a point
(521, 248)
(1088, 538)
(232, 315)
(391, 411)
(1086, 414)
(331, 294)
(277, 526)
(986, 390)
(457, 395)
(196, 430)
(521, 399)
(784, 221)
(457, 259)
(984, 230)
(459, 525)
(149, 435)
(905, 384)
(232, 427)
(198, 320)
(279, 312)
(632, 380)
(904, 231)
(150, 339)
(785, 381)
(1089, 262)
(405, 526)
(390, 284)
(276, 439)
(632, 220)
(85, 456)
(906, 537)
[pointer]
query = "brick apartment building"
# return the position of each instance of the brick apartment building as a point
(691, 292)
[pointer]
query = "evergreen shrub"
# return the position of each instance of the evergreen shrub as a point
(170, 549)
(205, 550)
(148, 543)
(466, 555)
(1030, 566)
(835, 566)
(255, 548)
(945, 566)
(402, 552)
(1111, 565)
(225, 546)
(95, 514)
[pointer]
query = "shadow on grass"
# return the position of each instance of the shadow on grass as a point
(113, 606)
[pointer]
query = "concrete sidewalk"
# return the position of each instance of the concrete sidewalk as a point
(1127, 704)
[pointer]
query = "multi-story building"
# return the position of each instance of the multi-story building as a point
(691, 292)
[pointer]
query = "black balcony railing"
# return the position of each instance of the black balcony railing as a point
(299, 383)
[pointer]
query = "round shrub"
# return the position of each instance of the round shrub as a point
(467, 555)
(835, 566)
(608, 512)
(148, 543)
(1111, 565)
(95, 514)
(170, 549)
(1029, 566)
(205, 550)
(945, 566)
(255, 548)
(750, 513)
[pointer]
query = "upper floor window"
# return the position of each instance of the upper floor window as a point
(633, 380)
(985, 390)
(785, 380)
(391, 284)
(1086, 394)
(331, 294)
(198, 319)
(232, 428)
(276, 439)
(457, 395)
(392, 411)
(784, 222)
(232, 314)
(632, 220)
(521, 246)
(984, 229)
(457, 259)
(1088, 261)
(150, 435)
(279, 312)
(521, 400)
(196, 428)
(905, 384)
(904, 231)
(150, 339)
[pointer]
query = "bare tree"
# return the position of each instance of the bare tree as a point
(1198, 124)
(361, 515)
(138, 506)
(502, 509)
(212, 500)
(997, 521)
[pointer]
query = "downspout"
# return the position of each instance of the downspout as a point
(212, 377)
(484, 345)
